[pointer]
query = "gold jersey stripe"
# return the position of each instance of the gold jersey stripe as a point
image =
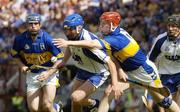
(108, 48)
(60, 55)
(129, 51)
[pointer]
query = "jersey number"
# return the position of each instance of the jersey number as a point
(77, 58)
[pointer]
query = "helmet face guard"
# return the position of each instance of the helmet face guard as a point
(173, 26)
(72, 21)
(33, 18)
(109, 21)
(71, 26)
(34, 23)
(174, 19)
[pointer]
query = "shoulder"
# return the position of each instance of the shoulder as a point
(87, 35)
(161, 38)
(21, 36)
(45, 34)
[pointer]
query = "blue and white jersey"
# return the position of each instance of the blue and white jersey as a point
(166, 53)
(36, 52)
(91, 60)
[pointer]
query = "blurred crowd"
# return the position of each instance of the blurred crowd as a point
(143, 19)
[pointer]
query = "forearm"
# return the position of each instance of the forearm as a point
(85, 43)
(120, 72)
(66, 57)
(113, 72)
(52, 71)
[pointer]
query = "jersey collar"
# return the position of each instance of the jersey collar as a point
(117, 30)
(40, 34)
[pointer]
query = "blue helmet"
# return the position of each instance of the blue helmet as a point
(33, 18)
(72, 21)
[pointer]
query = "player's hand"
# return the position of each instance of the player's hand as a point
(108, 90)
(25, 69)
(122, 76)
(117, 91)
(43, 76)
(60, 42)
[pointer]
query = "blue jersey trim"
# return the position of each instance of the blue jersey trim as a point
(91, 55)
(157, 49)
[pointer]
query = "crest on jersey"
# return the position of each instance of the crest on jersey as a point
(42, 46)
(26, 46)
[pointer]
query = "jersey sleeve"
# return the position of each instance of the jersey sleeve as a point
(156, 49)
(16, 48)
(57, 52)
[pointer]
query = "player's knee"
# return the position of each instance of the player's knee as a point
(47, 106)
(32, 108)
(166, 102)
(75, 98)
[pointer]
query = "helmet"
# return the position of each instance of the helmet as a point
(33, 18)
(72, 21)
(112, 17)
(174, 19)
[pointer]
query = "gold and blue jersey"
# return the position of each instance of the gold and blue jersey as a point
(36, 52)
(125, 49)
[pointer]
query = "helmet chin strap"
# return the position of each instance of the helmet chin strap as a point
(113, 28)
(77, 30)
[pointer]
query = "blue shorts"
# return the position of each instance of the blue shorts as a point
(171, 81)
(96, 79)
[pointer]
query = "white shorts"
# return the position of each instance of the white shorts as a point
(140, 75)
(33, 84)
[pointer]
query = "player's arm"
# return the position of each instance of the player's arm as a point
(155, 49)
(67, 55)
(15, 53)
(114, 78)
(57, 52)
(121, 74)
(80, 43)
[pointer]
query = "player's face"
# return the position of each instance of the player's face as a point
(71, 34)
(104, 27)
(34, 27)
(173, 30)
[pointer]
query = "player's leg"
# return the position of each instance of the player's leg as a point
(166, 102)
(80, 95)
(93, 81)
(33, 98)
(109, 95)
(172, 82)
(177, 93)
(141, 75)
(49, 92)
(106, 100)
(74, 106)
(178, 96)
(34, 93)
(148, 101)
